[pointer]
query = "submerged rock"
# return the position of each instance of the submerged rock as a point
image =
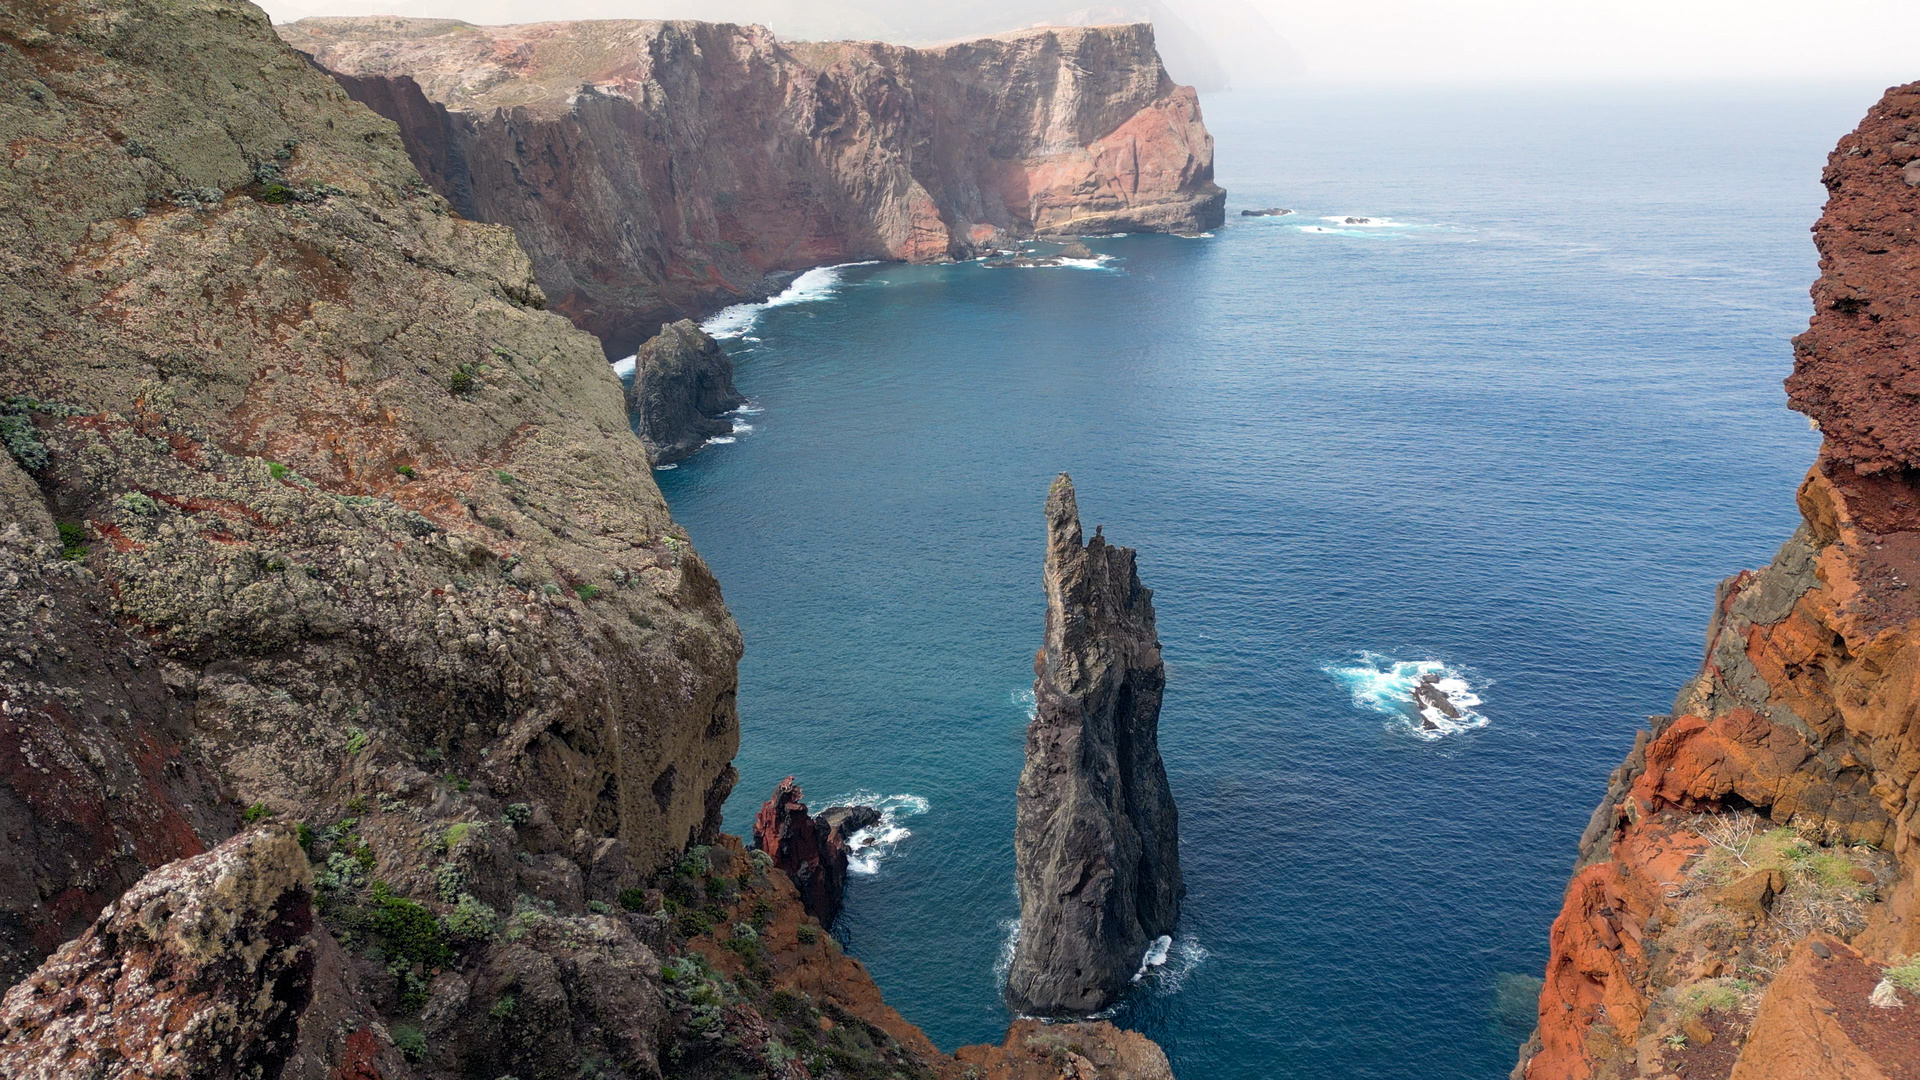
(682, 384)
(1271, 211)
(1096, 839)
(812, 850)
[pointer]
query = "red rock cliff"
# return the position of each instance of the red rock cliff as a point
(655, 170)
(1749, 882)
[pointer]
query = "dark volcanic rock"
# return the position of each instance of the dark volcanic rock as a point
(1096, 842)
(682, 383)
(1271, 211)
(1076, 250)
(812, 850)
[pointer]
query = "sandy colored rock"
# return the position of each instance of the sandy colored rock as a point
(656, 170)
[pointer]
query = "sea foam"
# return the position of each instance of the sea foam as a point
(1382, 684)
(818, 283)
(872, 845)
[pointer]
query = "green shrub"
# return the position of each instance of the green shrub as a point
(277, 470)
(256, 813)
(277, 194)
(456, 833)
(356, 742)
(587, 592)
(73, 541)
(133, 502)
(518, 813)
(633, 899)
(599, 907)
(404, 470)
(303, 832)
(411, 1042)
(461, 381)
(807, 935)
(506, 477)
(471, 920)
(504, 1007)
(1905, 974)
(23, 441)
(406, 930)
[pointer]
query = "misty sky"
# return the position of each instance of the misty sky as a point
(1353, 40)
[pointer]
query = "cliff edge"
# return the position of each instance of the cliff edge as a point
(1096, 836)
(1745, 899)
(657, 170)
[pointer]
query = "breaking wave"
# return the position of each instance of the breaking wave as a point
(818, 283)
(1425, 698)
(872, 845)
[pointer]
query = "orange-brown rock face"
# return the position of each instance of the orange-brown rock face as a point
(657, 169)
(1751, 873)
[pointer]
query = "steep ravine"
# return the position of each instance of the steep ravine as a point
(1745, 894)
(363, 712)
(657, 170)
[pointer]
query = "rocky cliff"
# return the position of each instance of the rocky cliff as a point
(655, 170)
(362, 710)
(1096, 840)
(682, 385)
(1745, 899)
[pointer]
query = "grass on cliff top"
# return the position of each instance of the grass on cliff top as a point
(1823, 887)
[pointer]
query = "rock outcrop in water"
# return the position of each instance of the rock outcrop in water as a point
(682, 387)
(1096, 840)
(655, 170)
(813, 851)
(1751, 878)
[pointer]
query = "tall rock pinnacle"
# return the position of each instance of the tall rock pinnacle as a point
(1096, 841)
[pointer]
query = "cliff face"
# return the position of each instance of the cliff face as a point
(1751, 874)
(1096, 839)
(315, 515)
(656, 170)
(682, 384)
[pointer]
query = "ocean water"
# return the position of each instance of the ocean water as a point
(1507, 436)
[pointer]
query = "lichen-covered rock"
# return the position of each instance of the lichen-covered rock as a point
(1772, 816)
(1096, 838)
(201, 970)
(657, 169)
(682, 384)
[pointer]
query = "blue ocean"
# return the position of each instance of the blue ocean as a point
(1500, 401)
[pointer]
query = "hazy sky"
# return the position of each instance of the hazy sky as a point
(1372, 40)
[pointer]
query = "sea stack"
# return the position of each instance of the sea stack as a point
(813, 850)
(1096, 838)
(682, 384)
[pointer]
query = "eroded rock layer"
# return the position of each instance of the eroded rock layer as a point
(1096, 839)
(656, 169)
(1746, 892)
